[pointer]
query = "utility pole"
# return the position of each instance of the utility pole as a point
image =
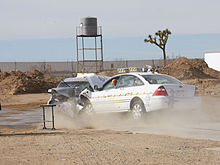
(15, 65)
(72, 65)
(44, 65)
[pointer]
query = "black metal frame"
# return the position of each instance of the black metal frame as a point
(82, 64)
(44, 116)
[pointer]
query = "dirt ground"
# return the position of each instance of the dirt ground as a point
(88, 146)
(92, 146)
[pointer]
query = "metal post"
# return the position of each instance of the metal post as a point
(77, 55)
(44, 65)
(83, 53)
(153, 65)
(44, 118)
(96, 55)
(15, 66)
(101, 55)
(72, 65)
(53, 118)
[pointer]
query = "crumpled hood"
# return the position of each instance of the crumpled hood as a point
(74, 92)
(97, 80)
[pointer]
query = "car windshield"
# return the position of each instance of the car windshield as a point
(160, 79)
(80, 84)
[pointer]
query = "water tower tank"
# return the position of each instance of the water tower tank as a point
(88, 26)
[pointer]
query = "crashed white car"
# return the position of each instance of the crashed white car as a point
(71, 87)
(140, 92)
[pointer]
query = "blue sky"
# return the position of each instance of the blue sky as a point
(43, 30)
(130, 48)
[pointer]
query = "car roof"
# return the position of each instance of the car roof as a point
(138, 73)
(143, 73)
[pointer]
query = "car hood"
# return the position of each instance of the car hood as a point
(97, 80)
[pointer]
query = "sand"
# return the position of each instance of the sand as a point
(87, 146)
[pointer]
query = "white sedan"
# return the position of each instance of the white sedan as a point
(140, 92)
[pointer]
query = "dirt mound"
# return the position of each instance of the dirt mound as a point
(207, 87)
(183, 68)
(26, 82)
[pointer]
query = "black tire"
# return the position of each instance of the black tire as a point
(137, 109)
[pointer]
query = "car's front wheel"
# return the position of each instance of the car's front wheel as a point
(88, 109)
(87, 106)
(137, 109)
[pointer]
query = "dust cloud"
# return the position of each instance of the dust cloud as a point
(174, 122)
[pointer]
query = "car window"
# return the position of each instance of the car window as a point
(129, 81)
(110, 84)
(137, 81)
(160, 79)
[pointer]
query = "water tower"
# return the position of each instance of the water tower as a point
(89, 46)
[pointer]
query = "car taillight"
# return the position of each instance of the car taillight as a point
(161, 91)
(196, 92)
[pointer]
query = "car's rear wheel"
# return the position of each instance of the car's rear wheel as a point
(137, 109)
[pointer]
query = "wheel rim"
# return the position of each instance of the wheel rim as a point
(137, 111)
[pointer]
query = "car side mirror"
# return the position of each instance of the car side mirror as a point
(96, 87)
(49, 90)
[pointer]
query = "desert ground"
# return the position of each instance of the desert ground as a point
(161, 139)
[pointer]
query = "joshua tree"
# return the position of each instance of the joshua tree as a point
(160, 39)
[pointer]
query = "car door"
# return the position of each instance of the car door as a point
(127, 88)
(105, 99)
